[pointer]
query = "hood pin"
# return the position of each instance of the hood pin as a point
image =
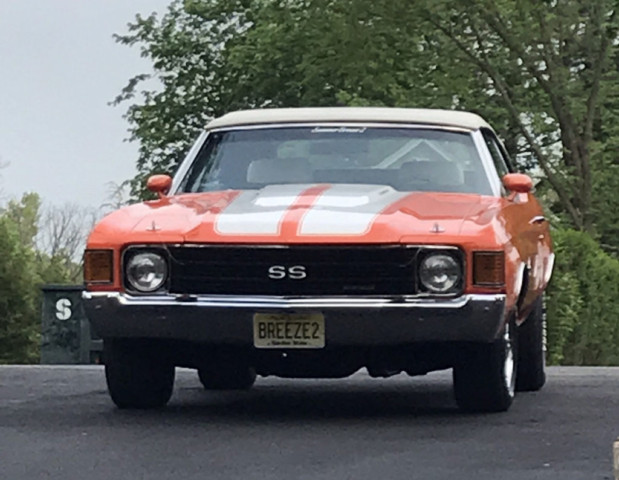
(153, 228)
(437, 229)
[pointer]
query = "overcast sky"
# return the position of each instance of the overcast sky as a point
(59, 68)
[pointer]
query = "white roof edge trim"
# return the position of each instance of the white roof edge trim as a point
(434, 117)
(412, 126)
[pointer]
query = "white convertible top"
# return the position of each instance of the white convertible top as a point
(445, 118)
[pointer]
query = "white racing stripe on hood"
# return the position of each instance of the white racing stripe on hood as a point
(348, 209)
(258, 212)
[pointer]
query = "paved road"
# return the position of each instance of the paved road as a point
(57, 423)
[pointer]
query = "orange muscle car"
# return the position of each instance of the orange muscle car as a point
(316, 242)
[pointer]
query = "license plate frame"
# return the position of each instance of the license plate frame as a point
(289, 330)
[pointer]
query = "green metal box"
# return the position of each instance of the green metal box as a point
(66, 334)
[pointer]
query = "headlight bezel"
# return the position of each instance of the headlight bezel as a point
(133, 251)
(453, 252)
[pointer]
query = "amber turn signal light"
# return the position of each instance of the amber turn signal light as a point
(489, 269)
(99, 266)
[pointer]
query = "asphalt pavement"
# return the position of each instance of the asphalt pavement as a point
(58, 423)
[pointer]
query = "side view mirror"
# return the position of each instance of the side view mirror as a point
(159, 184)
(518, 182)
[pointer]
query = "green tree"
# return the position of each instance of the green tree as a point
(37, 246)
(217, 56)
(19, 325)
(582, 303)
(543, 72)
(552, 67)
(25, 215)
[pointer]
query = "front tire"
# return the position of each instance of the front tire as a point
(485, 375)
(232, 378)
(138, 374)
(531, 375)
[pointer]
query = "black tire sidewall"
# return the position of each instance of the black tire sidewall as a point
(531, 375)
(138, 375)
(479, 380)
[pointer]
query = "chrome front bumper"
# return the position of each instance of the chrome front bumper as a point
(349, 321)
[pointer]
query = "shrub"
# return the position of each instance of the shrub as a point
(583, 303)
(19, 326)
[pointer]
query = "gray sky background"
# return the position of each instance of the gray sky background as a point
(59, 68)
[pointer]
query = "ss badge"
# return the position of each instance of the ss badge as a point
(280, 272)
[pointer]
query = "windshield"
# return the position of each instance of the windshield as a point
(406, 159)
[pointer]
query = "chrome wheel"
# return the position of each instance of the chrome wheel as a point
(509, 366)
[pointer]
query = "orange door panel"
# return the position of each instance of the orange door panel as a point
(530, 234)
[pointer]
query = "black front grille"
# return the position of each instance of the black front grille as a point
(330, 270)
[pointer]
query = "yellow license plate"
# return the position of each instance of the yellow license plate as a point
(289, 330)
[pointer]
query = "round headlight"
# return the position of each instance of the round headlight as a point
(439, 273)
(147, 271)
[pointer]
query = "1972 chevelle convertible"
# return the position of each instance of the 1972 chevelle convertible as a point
(316, 242)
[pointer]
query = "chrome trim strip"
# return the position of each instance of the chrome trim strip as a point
(537, 220)
(486, 158)
(204, 301)
(412, 126)
(549, 268)
(520, 278)
(434, 246)
(185, 165)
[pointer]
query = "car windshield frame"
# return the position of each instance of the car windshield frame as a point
(487, 165)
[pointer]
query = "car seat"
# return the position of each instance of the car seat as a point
(433, 175)
(280, 170)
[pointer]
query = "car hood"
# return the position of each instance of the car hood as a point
(302, 214)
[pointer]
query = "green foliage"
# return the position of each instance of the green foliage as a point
(582, 303)
(55, 270)
(605, 196)
(542, 73)
(23, 270)
(25, 217)
(212, 57)
(19, 328)
(552, 67)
